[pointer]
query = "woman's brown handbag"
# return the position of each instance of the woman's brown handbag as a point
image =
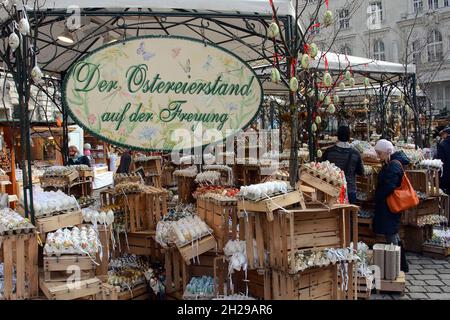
(404, 197)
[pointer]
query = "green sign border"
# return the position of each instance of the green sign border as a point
(72, 115)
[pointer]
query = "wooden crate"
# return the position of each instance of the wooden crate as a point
(90, 288)
(59, 269)
(62, 181)
(48, 224)
(110, 292)
(258, 283)
(19, 255)
(426, 181)
(415, 237)
(435, 252)
(145, 209)
(364, 292)
(398, 285)
(140, 243)
(246, 174)
(217, 215)
(321, 182)
(255, 218)
(426, 207)
(366, 184)
(213, 265)
(314, 284)
(191, 251)
(176, 271)
(186, 186)
(310, 229)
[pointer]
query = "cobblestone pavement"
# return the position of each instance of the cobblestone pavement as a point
(427, 279)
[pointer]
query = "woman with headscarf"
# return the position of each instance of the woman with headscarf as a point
(389, 178)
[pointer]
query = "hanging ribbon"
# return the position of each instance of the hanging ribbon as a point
(293, 65)
(326, 3)
(305, 48)
(326, 62)
(348, 63)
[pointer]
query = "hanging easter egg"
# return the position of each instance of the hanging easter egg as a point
(327, 100)
(273, 30)
(313, 50)
(366, 101)
(305, 61)
(36, 74)
(318, 119)
(335, 98)
(314, 127)
(327, 79)
(13, 41)
(331, 109)
(352, 82)
(342, 85)
(328, 18)
(24, 26)
(348, 75)
(321, 96)
(366, 82)
(311, 93)
(319, 153)
(275, 75)
(293, 84)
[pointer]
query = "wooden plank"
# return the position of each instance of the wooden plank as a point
(8, 266)
(320, 184)
(32, 265)
(259, 241)
(249, 240)
(20, 266)
(203, 245)
(64, 291)
(53, 223)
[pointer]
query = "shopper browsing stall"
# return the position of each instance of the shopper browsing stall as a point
(389, 178)
(125, 162)
(347, 159)
(76, 158)
(443, 153)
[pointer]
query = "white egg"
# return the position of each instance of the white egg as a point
(24, 26)
(14, 41)
(102, 217)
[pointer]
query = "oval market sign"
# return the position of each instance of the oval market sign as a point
(145, 92)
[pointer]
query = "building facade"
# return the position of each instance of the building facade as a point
(412, 31)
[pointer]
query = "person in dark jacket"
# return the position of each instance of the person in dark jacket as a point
(443, 153)
(76, 158)
(347, 159)
(125, 162)
(389, 178)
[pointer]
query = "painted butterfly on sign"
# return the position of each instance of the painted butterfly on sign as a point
(187, 66)
(146, 55)
(208, 63)
(175, 52)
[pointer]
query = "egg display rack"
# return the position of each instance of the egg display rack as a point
(258, 283)
(247, 173)
(426, 181)
(59, 181)
(119, 178)
(24, 227)
(176, 272)
(141, 243)
(104, 235)
(167, 178)
(366, 184)
(19, 256)
(186, 186)
(55, 268)
(320, 181)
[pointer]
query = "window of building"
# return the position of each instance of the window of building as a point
(344, 19)
(376, 13)
(437, 96)
(433, 4)
(418, 6)
(416, 52)
(434, 46)
(446, 3)
(345, 49)
(378, 50)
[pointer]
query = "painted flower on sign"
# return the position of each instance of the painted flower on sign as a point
(231, 106)
(92, 119)
(147, 133)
